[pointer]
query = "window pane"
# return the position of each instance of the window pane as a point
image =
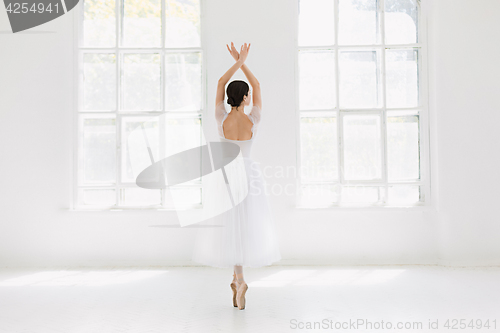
(182, 23)
(318, 148)
(135, 154)
(317, 80)
(362, 139)
(403, 147)
(360, 194)
(99, 23)
(401, 21)
(182, 134)
(97, 197)
(182, 196)
(402, 78)
(359, 84)
(358, 22)
(183, 81)
(99, 75)
(141, 197)
(98, 150)
(142, 23)
(404, 194)
(316, 23)
(141, 82)
(319, 195)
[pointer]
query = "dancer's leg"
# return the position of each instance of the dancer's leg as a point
(238, 270)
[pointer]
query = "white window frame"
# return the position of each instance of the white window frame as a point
(79, 50)
(423, 114)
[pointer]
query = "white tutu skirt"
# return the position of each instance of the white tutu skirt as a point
(245, 234)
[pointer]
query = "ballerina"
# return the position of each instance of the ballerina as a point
(248, 237)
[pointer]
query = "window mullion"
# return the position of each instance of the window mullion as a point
(163, 27)
(353, 47)
(119, 124)
(384, 102)
(118, 121)
(340, 152)
(162, 121)
(117, 96)
(77, 88)
(162, 145)
(424, 117)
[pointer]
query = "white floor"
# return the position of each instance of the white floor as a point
(279, 299)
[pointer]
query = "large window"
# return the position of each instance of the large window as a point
(139, 98)
(362, 103)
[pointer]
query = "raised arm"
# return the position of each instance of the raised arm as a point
(221, 85)
(257, 97)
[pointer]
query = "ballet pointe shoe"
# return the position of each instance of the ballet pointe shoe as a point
(240, 295)
(234, 286)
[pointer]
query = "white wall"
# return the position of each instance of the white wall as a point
(465, 83)
(36, 86)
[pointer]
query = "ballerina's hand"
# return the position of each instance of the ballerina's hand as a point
(233, 52)
(244, 52)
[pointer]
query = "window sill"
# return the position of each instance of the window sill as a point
(366, 208)
(123, 209)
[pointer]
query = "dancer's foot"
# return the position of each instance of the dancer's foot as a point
(240, 295)
(234, 286)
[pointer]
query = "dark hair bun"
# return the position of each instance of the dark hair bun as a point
(236, 91)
